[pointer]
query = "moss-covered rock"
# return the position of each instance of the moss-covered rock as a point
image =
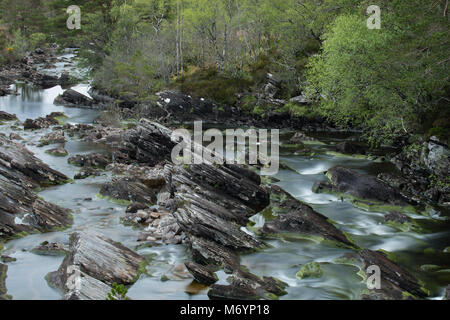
(310, 270)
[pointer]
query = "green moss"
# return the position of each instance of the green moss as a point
(310, 270)
(57, 154)
(429, 268)
(310, 237)
(120, 202)
(406, 226)
(342, 155)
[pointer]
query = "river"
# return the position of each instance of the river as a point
(166, 279)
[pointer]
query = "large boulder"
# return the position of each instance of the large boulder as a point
(93, 264)
(73, 98)
(296, 219)
(436, 156)
(129, 190)
(365, 191)
(41, 123)
(396, 283)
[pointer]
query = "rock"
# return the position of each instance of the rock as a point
(436, 157)
(14, 136)
(97, 262)
(65, 79)
(350, 147)
(151, 177)
(3, 290)
(49, 249)
(7, 259)
(201, 273)
(216, 201)
(164, 228)
(149, 143)
(300, 138)
(301, 99)
(364, 190)
(46, 81)
(396, 283)
(20, 208)
(135, 207)
(5, 116)
(310, 270)
(447, 293)
(397, 217)
(297, 219)
(87, 172)
(58, 152)
(129, 190)
(71, 97)
(245, 286)
(93, 160)
(41, 123)
(53, 137)
(270, 90)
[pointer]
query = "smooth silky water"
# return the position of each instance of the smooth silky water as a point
(165, 278)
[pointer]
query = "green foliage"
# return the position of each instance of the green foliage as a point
(382, 80)
(118, 292)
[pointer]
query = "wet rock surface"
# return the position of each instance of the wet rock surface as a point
(20, 208)
(396, 283)
(72, 98)
(364, 189)
(49, 249)
(202, 274)
(297, 218)
(5, 116)
(97, 262)
(41, 122)
(93, 160)
(129, 190)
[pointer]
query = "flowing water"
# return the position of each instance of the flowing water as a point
(165, 278)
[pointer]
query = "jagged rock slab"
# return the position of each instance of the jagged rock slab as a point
(20, 208)
(41, 123)
(396, 283)
(100, 258)
(297, 218)
(93, 160)
(202, 274)
(129, 190)
(149, 143)
(18, 164)
(364, 190)
(246, 286)
(71, 97)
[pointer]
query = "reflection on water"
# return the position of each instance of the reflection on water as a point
(282, 260)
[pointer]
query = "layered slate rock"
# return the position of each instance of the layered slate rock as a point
(216, 201)
(20, 208)
(297, 219)
(73, 98)
(43, 122)
(97, 262)
(149, 143)
(202, 274)
(128, 190)
(396, 283)
(93, 160)
(364, 190)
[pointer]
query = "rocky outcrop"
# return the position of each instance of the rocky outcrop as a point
(201, 273)
(49, 249)
(129, 190)
(5, 116)
(20, 208)
(297, 219)
(93, 264)
(396, 283)
(92, 160)
(365, 191)
(350, 147)
(72, 98)
(41, 123)
(53, 137)
(149, 143)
